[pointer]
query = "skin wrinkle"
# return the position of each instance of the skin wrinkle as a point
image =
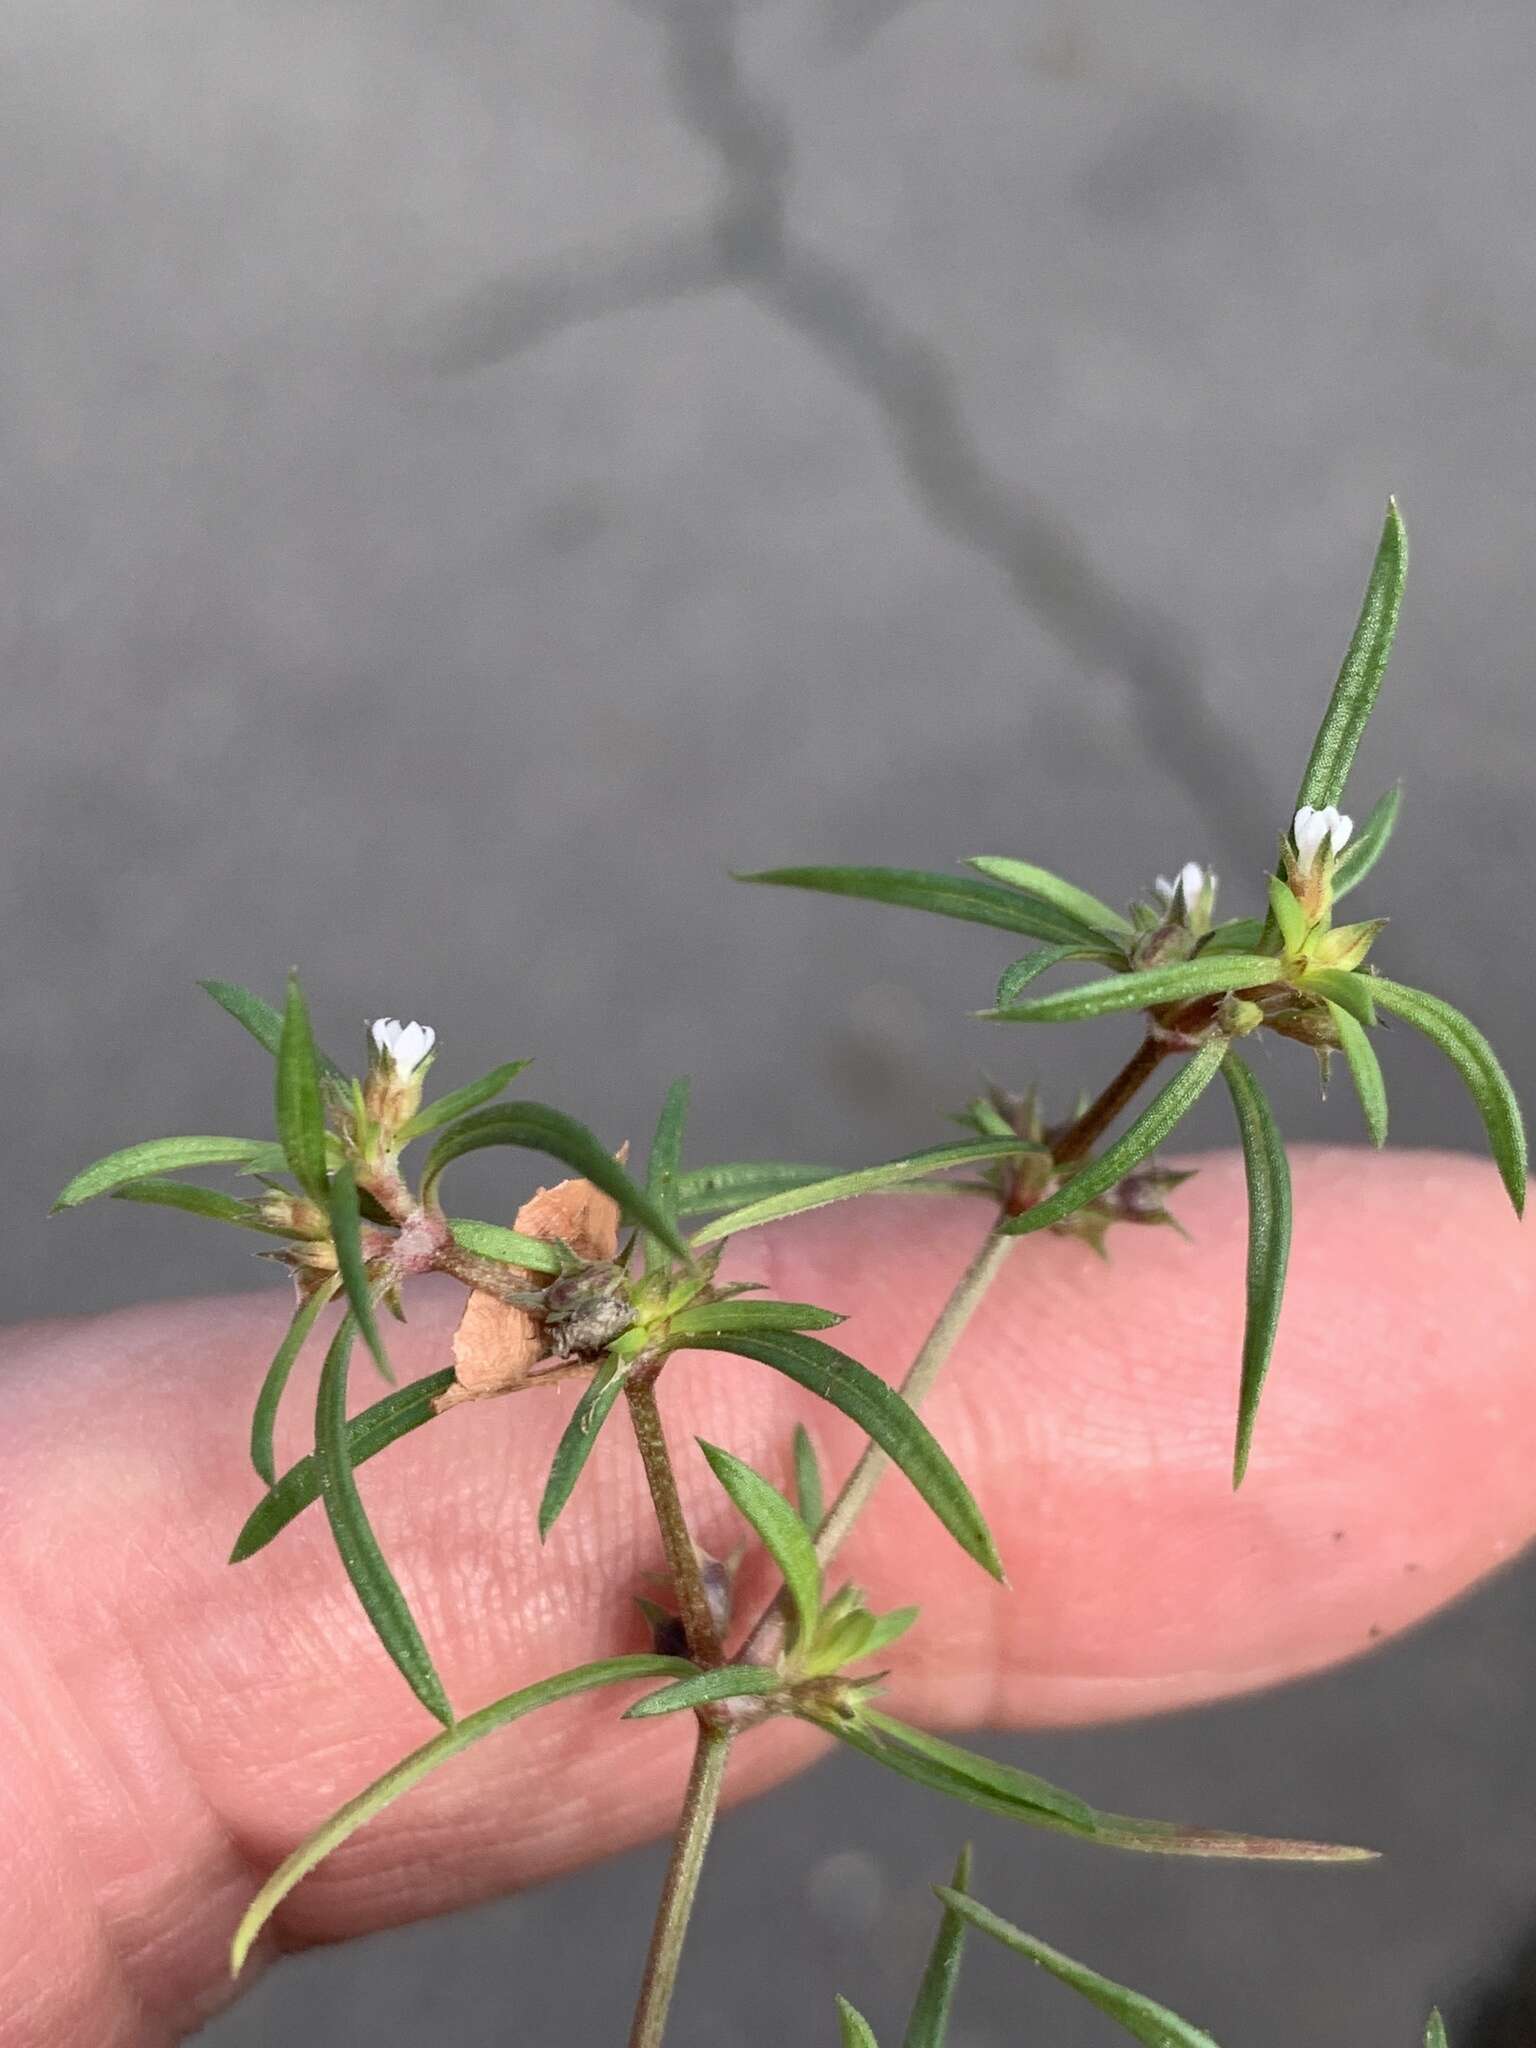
(1135, 1571)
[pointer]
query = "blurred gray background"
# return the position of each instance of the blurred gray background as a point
(475, 472)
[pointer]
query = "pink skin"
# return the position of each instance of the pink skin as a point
(170, 1727)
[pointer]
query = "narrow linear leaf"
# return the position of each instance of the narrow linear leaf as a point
(1149, 988)
(264, 1418)
(728, 1682)
(1175, 1838)
(420, 1763)
(869, 1180)
(153, 1156)
(1087, 910)
(1269, 1242)
(576, 1441)
(1365, 663)
(663, 1167)
(259, 1018)
(998, 1788)
(187, 1195)
(1022, 972)
(1473, 1058)
(1351, 992)
(929, 2025)
(1368, 844)
(347, 1236)
(1137, 1142)
(728, 1186)
(372, 1580)
(810, 1495)
(368, 1433)
(965, 1774)
(779, 1528)
(856, 2030)
(1434, 2031)
(962, 896)
(883, 1416)
(535, 1127)
(300, 1110)
(720, 1318)
(515, 1248)
(1141, 2017)
(1365, 1072)
(460, 1101)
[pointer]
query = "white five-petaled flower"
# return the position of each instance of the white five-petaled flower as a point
(1313, 829)
(405, 1045)
(1192, 878)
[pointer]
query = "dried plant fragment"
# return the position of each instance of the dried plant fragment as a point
(498, 1343)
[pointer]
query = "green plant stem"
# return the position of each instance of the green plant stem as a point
(937, 1348)
(694, 1827)
(682, 1559)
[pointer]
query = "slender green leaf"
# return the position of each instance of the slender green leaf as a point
(368, 1433)
(1365, 1072)
(1237, 935)
(964, 1773)
(887, 1628)
(537, 1128)
(1368, 844)
(929, 2025)
(725, 1187)
(300, 1110)
(882, 1415)
(460, 1101)
(1291, 921)
(1434, 2031)
(727, 1682)
(783, 1535)
(1089, 911)
(1350, 991)
(1269, 1242)
(264, 1419)
(663, 1167)
(1141, 2017)
(259, 1018)
(1138, 1142)
(1148, 988)
(1022, 972)
(576, 1441)
(810, 1496)
(372, 1580)
(1354, 694)
(719, 1318)
(998, 1788)
(421, 1762)
(347, 1236)
(856, 2030)
(868, 1180)
(513, 1247)
(959, 896)
(1473, 1058)
(210, 1202)
(154, 1155)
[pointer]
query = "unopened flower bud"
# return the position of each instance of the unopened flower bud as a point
(1317, 833)
(1237, 1017)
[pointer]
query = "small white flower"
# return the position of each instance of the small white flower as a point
(406, 1045)
(1312, 830)
(1191, 876)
